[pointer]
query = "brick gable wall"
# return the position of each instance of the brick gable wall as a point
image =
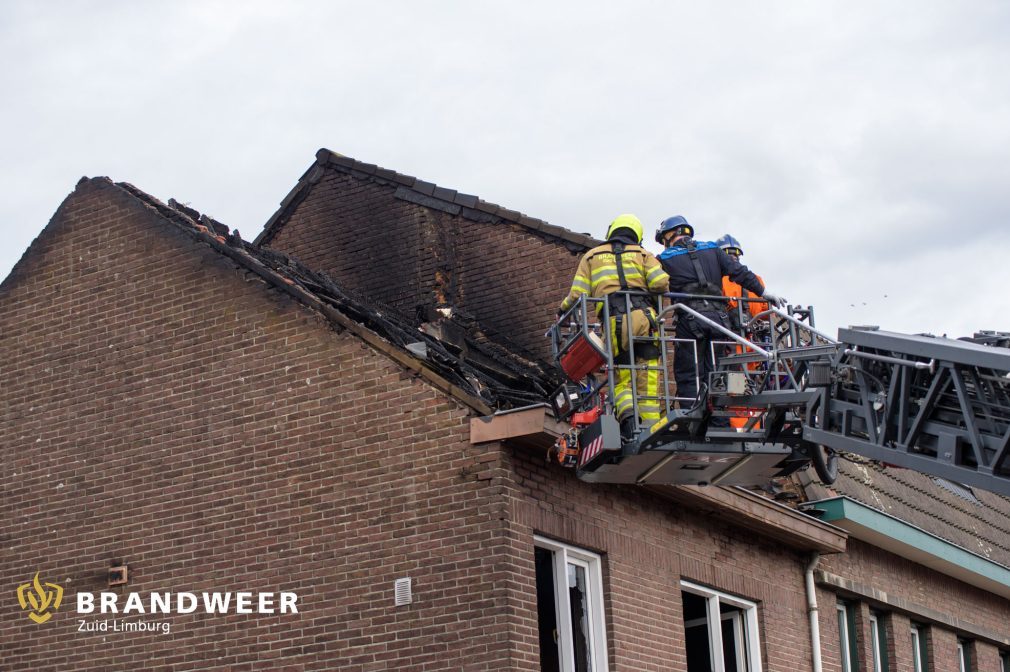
(408, 255)
(164, 409)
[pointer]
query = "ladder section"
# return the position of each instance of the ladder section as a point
(936, 405)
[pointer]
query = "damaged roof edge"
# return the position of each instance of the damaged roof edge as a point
(200, 233)
(418, 191)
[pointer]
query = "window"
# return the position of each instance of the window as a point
(962, 491)
(1004, 661)
(963, 655)
(847, 636)
(878, 642)
(919, 658)
(569, 608)
(731, 646)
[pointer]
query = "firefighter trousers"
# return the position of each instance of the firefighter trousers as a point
(638, 325)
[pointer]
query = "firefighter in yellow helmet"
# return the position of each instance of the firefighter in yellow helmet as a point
(622, 263)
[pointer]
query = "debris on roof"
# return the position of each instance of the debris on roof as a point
(453, 345)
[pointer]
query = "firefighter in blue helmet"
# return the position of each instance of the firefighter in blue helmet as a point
(698, 268)
(623, 264)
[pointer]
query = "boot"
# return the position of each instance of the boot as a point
(628, 428)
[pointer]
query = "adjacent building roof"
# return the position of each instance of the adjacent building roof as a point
(975, 520)
(909, 541)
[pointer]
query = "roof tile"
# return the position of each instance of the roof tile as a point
(426, 188)
(444, 194)
(510, 215)
(466, 200)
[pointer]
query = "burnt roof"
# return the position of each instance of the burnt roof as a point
(488, 376)
(416, 191)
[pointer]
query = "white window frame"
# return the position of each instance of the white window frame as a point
(876, 644)
(592, 564)
(963, 664)
(844, 635)
(745, 624)
(918, 664)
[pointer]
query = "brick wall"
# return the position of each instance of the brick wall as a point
(922, 592)
(162, 408)
(649, 544)
(511, 279)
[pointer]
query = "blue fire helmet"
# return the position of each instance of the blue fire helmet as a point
(676, 224)
(729, 245)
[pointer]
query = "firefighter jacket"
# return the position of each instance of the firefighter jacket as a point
(731, 289)
(598, 274)
(702, 271)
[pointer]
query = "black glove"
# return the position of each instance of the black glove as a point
(561, 311)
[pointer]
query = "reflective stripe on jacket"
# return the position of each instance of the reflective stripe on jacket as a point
(597, 274)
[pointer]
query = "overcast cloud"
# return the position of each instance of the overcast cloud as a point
(859, 150)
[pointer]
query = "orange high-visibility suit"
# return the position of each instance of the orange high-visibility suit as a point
(754, 308)
(731, 289)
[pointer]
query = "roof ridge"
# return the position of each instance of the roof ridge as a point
(417, 191)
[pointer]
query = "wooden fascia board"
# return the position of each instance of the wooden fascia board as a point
(760, 514)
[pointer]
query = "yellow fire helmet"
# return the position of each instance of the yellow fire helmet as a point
(626, 222)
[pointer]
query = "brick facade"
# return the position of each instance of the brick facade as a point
(650, 545)
(925, 596)
(163, 408)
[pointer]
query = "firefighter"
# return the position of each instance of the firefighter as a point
(623, 264)
(698, 268)
(731, 246)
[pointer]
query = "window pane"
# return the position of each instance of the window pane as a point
(699, 655)
(699, 658)
(579, 600)
(843, 637)
(874, 643)
(916, 651)
(547, 620)
(732, 644)
(963, 661)
(878, 643)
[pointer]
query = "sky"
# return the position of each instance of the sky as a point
(860, 151)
